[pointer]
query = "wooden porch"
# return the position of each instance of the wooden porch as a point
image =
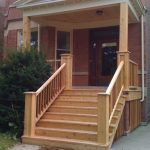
(57, 114)
(84, 118)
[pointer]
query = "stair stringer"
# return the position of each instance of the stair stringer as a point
(117, 115)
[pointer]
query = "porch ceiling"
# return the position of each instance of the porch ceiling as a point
(97, 17)
(43, 7)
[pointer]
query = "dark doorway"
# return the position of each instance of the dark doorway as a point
(103, 55)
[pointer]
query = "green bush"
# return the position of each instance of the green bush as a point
(21, 72)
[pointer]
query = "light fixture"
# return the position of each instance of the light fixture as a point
(99, 12)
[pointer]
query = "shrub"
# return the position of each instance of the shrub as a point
(21, 72)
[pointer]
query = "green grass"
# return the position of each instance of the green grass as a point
(6, 141)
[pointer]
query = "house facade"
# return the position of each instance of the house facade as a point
(104, 37)
(2, 5)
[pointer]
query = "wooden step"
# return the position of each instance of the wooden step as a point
(76, 103)
(70, 116)
(88, 126)
(62, 142)
(71, 109)
(67, 133)
(77, 98)
(80, 92)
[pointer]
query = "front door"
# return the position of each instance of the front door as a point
(103, 59)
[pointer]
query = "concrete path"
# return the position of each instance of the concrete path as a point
(137, 140)
(25, 147)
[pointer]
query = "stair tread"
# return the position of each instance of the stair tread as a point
(66, 130)
(69, 122)
(67, 140)
(118, 109)
(76, 100)
(116, 117)
(113, 125)
(71, 114)
(74, 107)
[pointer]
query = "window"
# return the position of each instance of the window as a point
(109, 58)
(34, 39)
(63, 43)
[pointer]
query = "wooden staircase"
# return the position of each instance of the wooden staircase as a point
(71, 121)
(60, 116)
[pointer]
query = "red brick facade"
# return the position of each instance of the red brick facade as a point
(1, 30)
(47, 41)
(11, 15)
(80, 57)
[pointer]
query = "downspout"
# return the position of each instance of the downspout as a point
(142, 52)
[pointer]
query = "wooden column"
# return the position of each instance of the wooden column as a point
(30, 114)
(26, 32)
(123, 54)
(103, 119)
(67, 58)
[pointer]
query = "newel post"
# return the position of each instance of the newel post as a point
(67, 58)
(30, 114)
(103, 119)
(123, 54)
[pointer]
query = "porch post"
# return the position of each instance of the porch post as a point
(123, 54)
(67, 58)
(26, 32)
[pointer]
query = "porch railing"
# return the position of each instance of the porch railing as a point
(107, 103)
(54, 63)
(37, 103)
(133, 80)
(49, 91)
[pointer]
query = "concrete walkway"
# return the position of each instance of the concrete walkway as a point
(137, 140)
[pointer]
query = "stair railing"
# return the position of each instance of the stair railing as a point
(107, 103)
(133, 80)
(37, 103)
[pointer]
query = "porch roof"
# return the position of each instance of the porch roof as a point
(47, 7)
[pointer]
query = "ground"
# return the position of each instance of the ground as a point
(6, 141)
(137, 140)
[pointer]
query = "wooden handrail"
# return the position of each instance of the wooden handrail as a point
(113, 81)
(49, 91)
(37, 103)
(107, 103)
(50, 79)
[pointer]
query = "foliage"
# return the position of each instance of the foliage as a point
(21, 72)
(6, 141)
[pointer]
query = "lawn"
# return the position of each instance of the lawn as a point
(6, 141)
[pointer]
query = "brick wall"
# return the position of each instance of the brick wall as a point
(80, 57)
(47, 41)
(1, 30)
(10, 41)
(12, 14)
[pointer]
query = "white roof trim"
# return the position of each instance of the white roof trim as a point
(44, 7)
